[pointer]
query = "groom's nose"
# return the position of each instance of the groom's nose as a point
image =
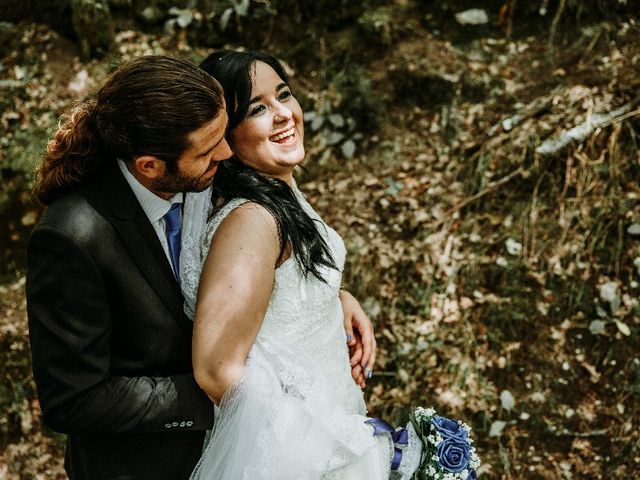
(225, 151)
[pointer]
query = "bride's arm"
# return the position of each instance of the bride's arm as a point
(235, 287)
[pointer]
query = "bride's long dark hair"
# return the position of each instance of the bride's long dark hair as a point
(235, 179)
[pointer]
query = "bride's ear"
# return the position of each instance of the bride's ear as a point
(149, 167)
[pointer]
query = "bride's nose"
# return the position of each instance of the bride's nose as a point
(282, 114)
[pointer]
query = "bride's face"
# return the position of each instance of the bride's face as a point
(270, 138)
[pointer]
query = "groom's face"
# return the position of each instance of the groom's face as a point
(197, 165)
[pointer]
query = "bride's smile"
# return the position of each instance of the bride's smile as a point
(270, 138)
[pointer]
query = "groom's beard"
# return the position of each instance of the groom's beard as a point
(176, 182)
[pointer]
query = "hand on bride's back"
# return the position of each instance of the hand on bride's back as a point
(360, 339)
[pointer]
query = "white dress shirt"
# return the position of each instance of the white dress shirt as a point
(154, 207)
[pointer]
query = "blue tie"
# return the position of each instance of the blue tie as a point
(173, 227)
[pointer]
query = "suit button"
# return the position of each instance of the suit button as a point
(174, 424)
(167, 425)
(182, 424)
(189, 423)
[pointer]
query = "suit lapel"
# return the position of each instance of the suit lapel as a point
(139, 237)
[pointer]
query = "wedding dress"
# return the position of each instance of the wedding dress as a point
(296, 413)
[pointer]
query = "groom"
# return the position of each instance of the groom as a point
(111, 346)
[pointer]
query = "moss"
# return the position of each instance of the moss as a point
(24, 150)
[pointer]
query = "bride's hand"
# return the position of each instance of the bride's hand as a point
(360, 338)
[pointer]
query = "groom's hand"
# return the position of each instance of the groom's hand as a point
(360, 338)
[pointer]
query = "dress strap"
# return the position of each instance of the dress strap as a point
(215, 221)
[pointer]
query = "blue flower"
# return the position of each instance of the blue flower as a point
(448, 428)
(472, 475)
(453, 455)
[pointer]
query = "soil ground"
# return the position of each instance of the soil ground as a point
(481, 262)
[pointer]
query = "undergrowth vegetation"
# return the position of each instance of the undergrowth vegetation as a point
(484, 178)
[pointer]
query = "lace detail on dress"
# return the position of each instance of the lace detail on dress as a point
(297, 413)
(197, 208)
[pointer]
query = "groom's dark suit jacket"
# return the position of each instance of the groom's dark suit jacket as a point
(110, 343)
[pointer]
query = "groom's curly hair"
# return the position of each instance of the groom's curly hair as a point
(147, 106)
(235, 179)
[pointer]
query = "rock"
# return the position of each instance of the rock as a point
(473, 16)
(93, 24)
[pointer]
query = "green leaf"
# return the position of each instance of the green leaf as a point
(242, 7)
(634, 229)
(496, 428)
(623, 327)
(185, 20)
(309, 116)
(316, 123)
(337, 120)
(348, 148)
(597, 327)
(393, 186)
(224, 18)
(334, 137)
(507, 400)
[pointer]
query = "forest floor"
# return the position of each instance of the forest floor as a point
(502, 280)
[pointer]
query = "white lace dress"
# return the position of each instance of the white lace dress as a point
(297, 413)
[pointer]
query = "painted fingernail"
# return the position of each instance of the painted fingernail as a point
(349, 337)
(368, 373)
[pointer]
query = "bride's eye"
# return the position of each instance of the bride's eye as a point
(284, 95)
(255, 110)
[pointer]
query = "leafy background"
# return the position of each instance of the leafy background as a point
(495, 246)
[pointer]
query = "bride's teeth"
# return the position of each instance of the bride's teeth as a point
(282, 135)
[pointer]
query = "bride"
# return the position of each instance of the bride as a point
(268, 344)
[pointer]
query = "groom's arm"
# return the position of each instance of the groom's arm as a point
(70, 326)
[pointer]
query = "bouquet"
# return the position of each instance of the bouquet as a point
(447, 448)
